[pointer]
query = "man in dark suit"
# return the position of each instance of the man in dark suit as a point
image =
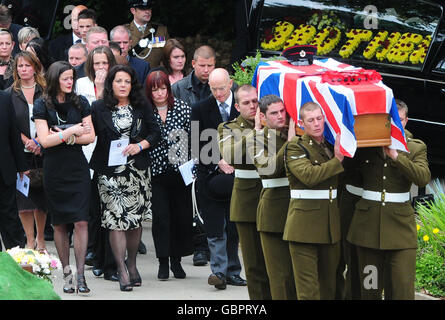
(122, 36)
(59, 47)
(11, 162)
(215, 180)
(5, 23)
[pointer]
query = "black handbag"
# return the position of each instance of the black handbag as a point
(35, 174)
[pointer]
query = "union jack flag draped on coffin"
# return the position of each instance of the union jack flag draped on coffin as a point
(297, 85)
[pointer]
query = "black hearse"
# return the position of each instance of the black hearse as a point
(341, 28)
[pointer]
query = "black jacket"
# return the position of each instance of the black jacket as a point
(13, 157)
(106, 132)
(207, 113)
(21, 108)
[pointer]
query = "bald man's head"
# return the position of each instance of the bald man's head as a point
(220, 84)
(74, 18)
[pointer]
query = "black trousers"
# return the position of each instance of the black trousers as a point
(11, 229)
(172, 216)
(98, 237)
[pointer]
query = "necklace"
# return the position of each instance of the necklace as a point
(30, 87)
(162, 108)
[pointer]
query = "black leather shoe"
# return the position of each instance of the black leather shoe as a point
(89, 259)
(236, 281)
(218, 280)
(163, 272)
(199, 258)
(111, 277)
(142, 249)
(176, 268)
(98, 272)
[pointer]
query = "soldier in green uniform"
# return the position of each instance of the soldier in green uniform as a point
(266, 147)
(383, 226)
(313, 221)
(246, 190)
(142, 28)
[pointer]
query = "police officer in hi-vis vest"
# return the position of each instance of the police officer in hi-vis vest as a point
(246, 190)
(266, 147)
(313, 220)
(383, 226)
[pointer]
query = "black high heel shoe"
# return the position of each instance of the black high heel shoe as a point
(124, 287)
(82, 287)
(68, 286)
(135, 282)
(163, 271)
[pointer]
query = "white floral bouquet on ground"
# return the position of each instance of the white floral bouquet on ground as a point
(42, 263)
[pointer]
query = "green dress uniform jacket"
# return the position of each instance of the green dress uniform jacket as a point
(155, 56)
(308, 166)
(244, 203)
(382, 224)
(266, 148)
(246, 192)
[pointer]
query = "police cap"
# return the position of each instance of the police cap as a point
(140, 3)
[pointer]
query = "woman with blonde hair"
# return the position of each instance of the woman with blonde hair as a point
(28, 85)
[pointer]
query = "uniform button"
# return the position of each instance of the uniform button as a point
(383, 203)
(384, 177)
(384, 190)
(385, 165)
(367, 161)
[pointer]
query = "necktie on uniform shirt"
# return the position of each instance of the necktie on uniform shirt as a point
(222, 110)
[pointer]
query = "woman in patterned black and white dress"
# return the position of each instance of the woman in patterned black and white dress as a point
(124, 190)
(172, 211)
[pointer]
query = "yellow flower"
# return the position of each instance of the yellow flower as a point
(426, 238)
(418, 227)
(435, 230)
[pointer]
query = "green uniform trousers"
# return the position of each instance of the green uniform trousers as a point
(396, 273)
(253, 259)
(278, 266)
(315, 267)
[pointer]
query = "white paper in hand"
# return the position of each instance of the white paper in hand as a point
(23, 184)
(116, 157)
(187, 171)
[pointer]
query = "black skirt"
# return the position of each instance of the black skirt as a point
(66, 180)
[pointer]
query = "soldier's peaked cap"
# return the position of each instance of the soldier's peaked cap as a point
(140, 3)
(300, 52)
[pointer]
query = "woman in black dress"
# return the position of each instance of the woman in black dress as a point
(172, 210)
(124, 190)
(63, 124)
(27, 87)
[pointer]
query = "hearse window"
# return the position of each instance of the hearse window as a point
(388, 32)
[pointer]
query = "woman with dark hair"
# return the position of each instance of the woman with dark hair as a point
(173, 59)
(172, 211)
(99, 61)
(39, 47)
(28, 86)
(63, 124)
(124, 190)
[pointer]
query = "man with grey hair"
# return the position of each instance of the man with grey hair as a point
(77, 54)
(122, 35)
(215, 182)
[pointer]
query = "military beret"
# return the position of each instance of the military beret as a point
(140, 3)
(300, 53)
